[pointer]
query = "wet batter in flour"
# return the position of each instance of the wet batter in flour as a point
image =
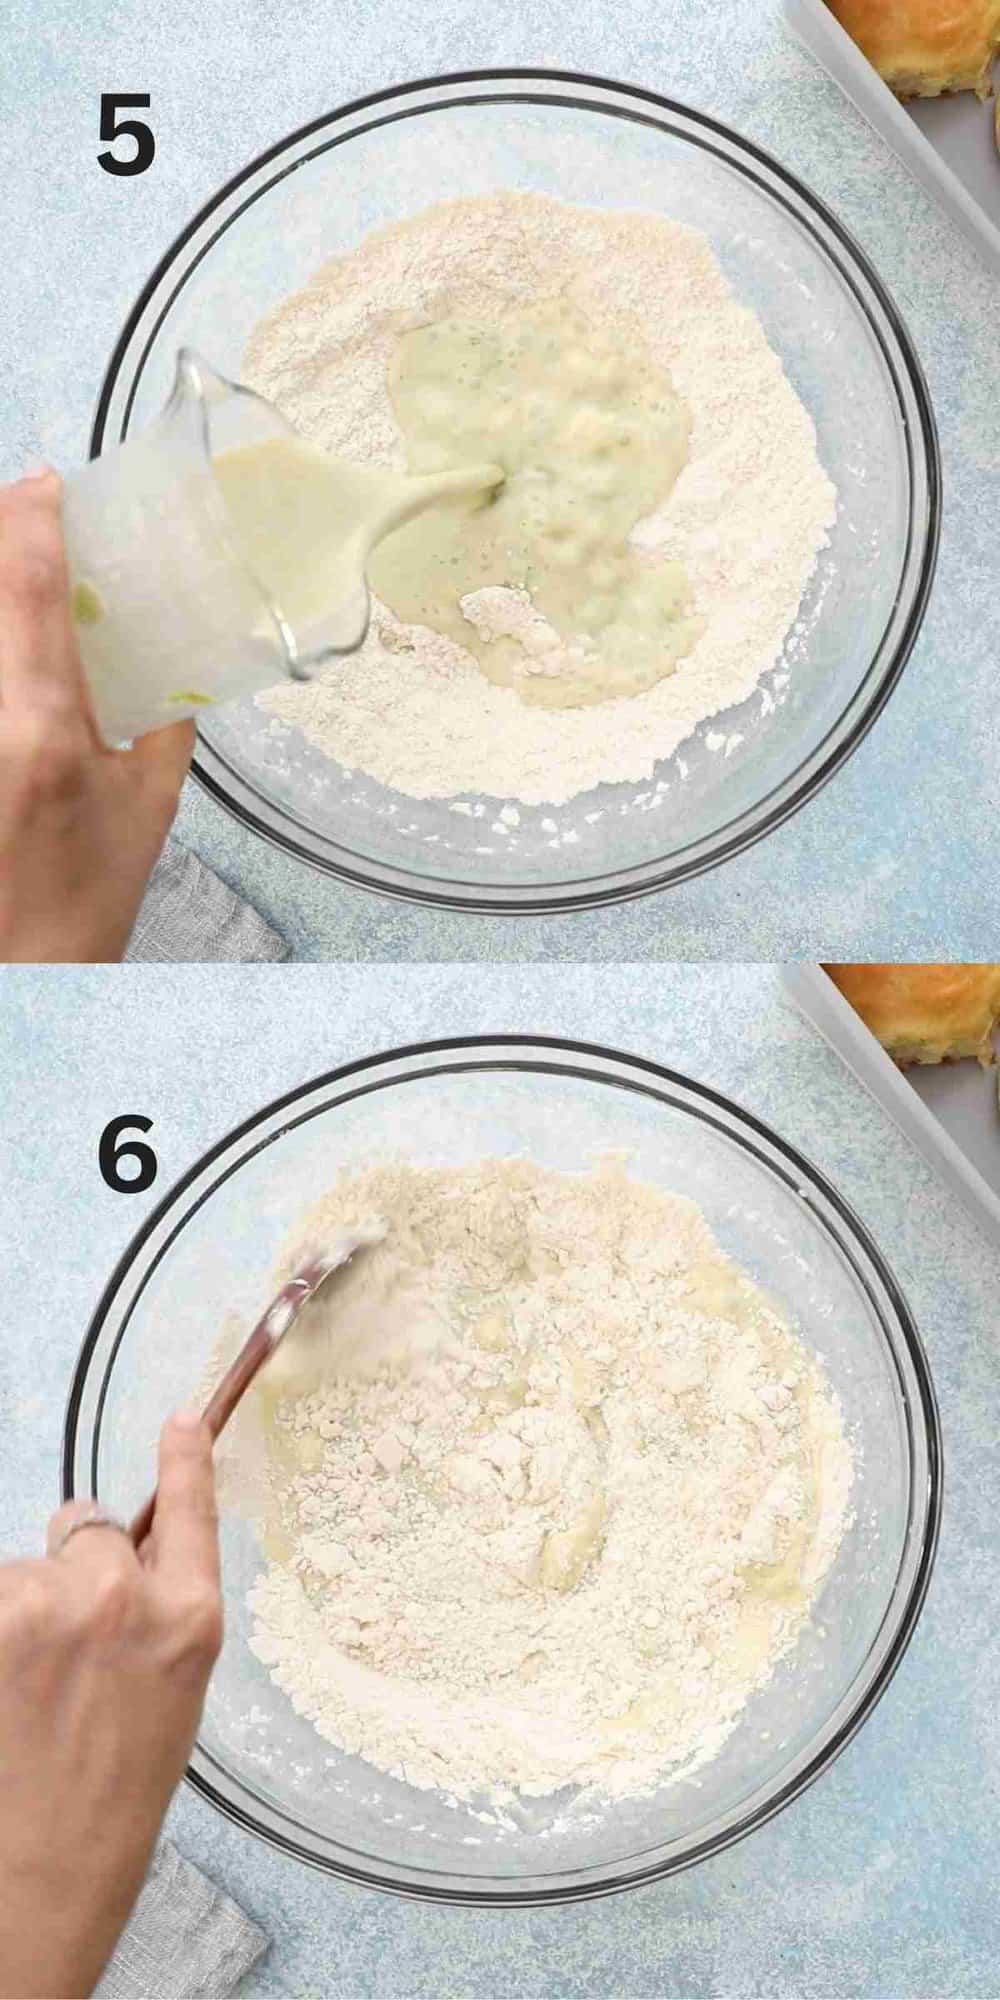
(591, 439)
(663, 511)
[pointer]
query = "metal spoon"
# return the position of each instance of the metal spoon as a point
(268, 1334)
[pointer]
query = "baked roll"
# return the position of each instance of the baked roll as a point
(923, 47)
(925, 1013)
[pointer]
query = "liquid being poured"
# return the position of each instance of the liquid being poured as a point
(591, 436)
(306, 522)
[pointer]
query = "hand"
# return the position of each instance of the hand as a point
(80, 825)
(104, 1660)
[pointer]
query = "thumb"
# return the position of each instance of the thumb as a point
(163, 757)
(185, 1527)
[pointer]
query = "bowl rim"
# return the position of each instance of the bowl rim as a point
(281, 826)
(563, 1057)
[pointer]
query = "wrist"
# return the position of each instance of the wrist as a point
(59, 1927)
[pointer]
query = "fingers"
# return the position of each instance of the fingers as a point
(185, 1551)
(100, 1571)
(40, 667)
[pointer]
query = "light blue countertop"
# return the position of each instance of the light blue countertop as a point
(896, 856)
(882, 1880)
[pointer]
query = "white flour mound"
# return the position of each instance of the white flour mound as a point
(562, 1538)
(747, 516)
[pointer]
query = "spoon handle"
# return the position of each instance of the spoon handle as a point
(256, 1349)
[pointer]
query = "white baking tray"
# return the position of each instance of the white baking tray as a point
(947, 143)
(948, 1112)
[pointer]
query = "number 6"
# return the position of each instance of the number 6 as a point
(113, 1149)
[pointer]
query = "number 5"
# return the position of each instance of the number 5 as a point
(113, 127)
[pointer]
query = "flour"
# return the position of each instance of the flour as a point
(746, 518)
(563, 1540)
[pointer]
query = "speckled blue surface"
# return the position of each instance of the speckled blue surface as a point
(881, 1881)
(895, 857)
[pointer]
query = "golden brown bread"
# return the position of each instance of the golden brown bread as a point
(923, 47)
(925, 1013)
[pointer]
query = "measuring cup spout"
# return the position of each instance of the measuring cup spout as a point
(226, 414)
(196, 381)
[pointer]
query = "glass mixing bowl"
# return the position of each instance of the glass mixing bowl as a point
(209, 1248)
(843, 346)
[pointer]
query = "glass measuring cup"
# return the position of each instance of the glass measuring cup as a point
(169, 613)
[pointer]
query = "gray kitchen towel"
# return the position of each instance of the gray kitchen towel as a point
(190, 916)
(185, 1939)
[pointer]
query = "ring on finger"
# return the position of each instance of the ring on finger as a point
(95, 1517)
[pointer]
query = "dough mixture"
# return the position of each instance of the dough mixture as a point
(550, 1484)
(663, 511)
